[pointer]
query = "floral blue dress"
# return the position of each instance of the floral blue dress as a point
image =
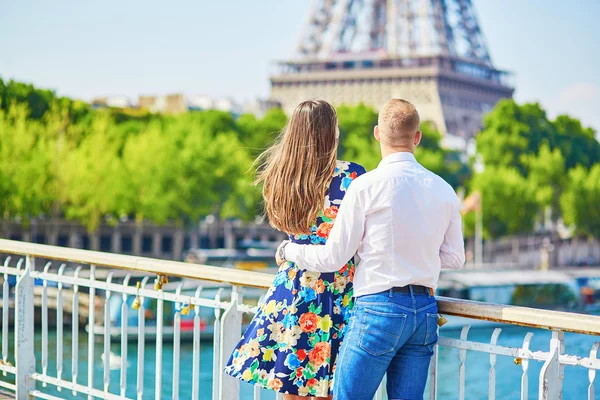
(292, 343)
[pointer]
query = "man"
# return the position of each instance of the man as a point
(404, 224)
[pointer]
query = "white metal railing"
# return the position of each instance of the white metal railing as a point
(85, 283)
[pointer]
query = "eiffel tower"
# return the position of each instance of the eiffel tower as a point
(430, 52)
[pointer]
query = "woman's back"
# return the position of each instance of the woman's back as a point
(292, 343)
(345, 172)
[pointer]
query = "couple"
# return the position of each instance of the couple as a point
(402, 224)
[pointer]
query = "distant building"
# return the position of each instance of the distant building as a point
(178, 103)
(259, 107)
(199, 102)
(114, 102)
(169, 104)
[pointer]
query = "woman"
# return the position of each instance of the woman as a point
(293, 341)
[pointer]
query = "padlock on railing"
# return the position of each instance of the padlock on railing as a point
(160, 281)
(185, 309)
(441, 321)
(518, 361)
(136, 302)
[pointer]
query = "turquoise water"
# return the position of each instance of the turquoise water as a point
(508, 375)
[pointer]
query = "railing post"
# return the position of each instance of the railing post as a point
(462, 374)
(231, 328)
(433, 374)
(24, 345)
(552, 373)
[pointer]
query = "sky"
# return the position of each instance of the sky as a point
(227, 48)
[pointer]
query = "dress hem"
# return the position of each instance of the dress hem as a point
(239, 376)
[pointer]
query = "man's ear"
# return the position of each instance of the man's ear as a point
(376, 133)
(418, 138)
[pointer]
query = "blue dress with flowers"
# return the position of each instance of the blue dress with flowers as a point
(292, 343)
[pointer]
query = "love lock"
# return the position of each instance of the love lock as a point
(185, 310)
(158, 283)
(441, 321)
(137, 303)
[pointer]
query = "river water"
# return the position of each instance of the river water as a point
(508, 374)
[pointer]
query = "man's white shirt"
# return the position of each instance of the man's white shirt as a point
(403, 222)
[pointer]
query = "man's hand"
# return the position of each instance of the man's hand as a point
(279, 255)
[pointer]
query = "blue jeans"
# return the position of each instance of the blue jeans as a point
(389, 332)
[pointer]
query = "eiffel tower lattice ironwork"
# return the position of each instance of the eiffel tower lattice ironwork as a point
(430, 52)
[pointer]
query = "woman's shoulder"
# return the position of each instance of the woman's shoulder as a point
(348, 168)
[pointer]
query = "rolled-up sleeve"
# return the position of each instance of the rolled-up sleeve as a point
(343, 241)
(452, 250)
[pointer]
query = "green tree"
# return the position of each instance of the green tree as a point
(38, 101)
(511, 131)
(577, 144)
(546, 173)
(95, 185)
(181, 171)
(356, 135)
(26, 175)
(542, 151)
(580, 201)
(508, 201)
(257, 134)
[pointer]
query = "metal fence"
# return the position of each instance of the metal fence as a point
(92, 287)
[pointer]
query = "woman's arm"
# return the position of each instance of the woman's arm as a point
(343, 241)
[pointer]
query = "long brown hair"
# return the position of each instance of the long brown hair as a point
(297, 169)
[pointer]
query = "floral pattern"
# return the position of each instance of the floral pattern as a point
(292, 343)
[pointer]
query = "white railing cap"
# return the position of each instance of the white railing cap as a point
(141, 264)
(523, 316)
(545, 319)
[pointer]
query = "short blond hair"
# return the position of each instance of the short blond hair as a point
(398, 123)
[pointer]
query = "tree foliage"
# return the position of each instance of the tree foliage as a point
(580, 203)
(537, 159)
(108, 164)
(356, 135)
(508, 201)
(26, 165)
(60, 157)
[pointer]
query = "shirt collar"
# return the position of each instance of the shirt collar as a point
(397, 157)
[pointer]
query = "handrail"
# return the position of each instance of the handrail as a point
(523, 316)
(141, 264)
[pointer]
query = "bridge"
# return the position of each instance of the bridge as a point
(26, 376)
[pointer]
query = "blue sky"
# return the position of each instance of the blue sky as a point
(226, 47)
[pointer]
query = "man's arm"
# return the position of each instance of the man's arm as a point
(452, 250)
(342, 243)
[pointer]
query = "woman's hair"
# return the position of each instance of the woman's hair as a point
(297, 169)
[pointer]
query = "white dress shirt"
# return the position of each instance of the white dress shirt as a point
(402, 221)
